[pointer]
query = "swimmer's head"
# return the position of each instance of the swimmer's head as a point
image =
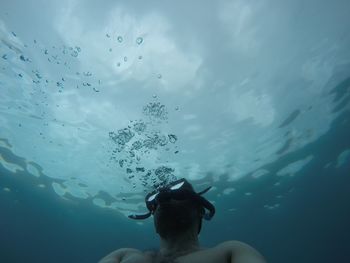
(176, 207)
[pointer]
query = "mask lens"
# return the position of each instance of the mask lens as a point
(177, 186)
(152, 197)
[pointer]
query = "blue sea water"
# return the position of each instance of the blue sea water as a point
(312, 225)
(100, 103)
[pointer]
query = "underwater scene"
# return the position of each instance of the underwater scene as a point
(103, 102)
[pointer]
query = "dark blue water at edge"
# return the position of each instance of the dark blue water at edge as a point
(312, 225)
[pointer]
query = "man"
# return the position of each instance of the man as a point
(178, 211)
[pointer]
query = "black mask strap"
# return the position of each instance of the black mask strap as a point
(144, 216)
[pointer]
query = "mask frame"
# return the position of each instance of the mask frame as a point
(178, 190)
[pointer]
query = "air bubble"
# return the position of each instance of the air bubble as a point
(172, 138)
(87, 74)
(139, 40)
(74, 53)
(22, 58)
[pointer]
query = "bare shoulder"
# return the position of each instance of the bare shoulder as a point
(235, 244)
(117, 255)
(240, 252)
